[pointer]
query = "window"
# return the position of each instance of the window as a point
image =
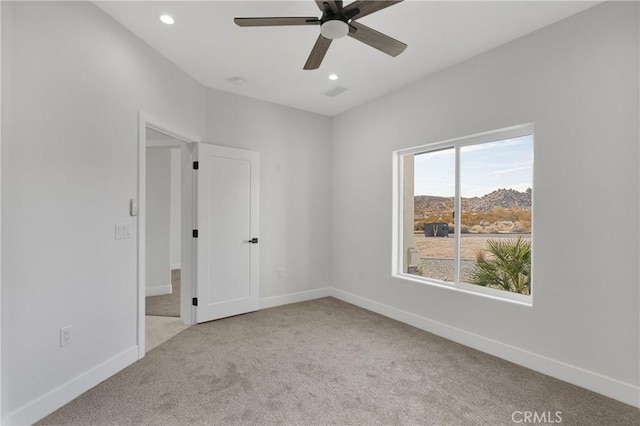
(463, 213)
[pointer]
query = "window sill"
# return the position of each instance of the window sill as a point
(490, 293)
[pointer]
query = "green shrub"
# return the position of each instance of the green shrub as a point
(507, 268)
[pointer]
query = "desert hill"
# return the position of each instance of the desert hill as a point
(430, 205)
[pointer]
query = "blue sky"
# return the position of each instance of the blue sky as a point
(484, 168)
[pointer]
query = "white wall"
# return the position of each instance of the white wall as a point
(176, 214)
(577, 81)
(295, 213)
(69, 166)
(158, 223)
(69, 155)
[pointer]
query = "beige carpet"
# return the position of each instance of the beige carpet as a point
(158, 330)
(328, 362)
(167, 305)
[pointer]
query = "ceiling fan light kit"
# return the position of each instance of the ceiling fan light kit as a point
(336, 22)
(333, 29)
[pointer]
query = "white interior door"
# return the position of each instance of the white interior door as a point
(227, 188)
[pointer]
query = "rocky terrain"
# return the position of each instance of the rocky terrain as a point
(429, 205)
(501, 211)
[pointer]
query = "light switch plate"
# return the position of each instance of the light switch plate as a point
(124, 231)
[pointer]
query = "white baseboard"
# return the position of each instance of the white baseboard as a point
(158, 290)
(175, 266)
(625, 392)
(301, 296)
(56, 398)
(595, 382)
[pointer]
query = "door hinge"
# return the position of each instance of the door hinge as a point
(195, 165)
(195, 233)
(194, 301)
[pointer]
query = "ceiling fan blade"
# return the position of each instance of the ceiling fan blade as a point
(335, 7)
(276, 21)
(376, 39)
(317, 53)
(360, 8)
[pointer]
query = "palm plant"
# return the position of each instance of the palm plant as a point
(507, 267)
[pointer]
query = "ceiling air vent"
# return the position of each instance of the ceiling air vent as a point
(335, 91)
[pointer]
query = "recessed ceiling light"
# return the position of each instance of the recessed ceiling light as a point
(167, 19)
(333, 77)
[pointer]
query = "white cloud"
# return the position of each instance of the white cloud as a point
(511, 170)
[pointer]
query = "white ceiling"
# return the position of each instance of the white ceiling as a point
(205, 43)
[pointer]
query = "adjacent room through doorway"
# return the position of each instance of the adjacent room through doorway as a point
(163, 233)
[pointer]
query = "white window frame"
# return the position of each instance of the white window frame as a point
(398, 216)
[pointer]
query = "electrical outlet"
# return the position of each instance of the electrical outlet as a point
(280, 273)
(65, 336)
(361, 274)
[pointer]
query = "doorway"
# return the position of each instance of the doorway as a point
(219, 208)
(163, 238)
(170, 142)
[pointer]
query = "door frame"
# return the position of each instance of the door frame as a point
(187, 139)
